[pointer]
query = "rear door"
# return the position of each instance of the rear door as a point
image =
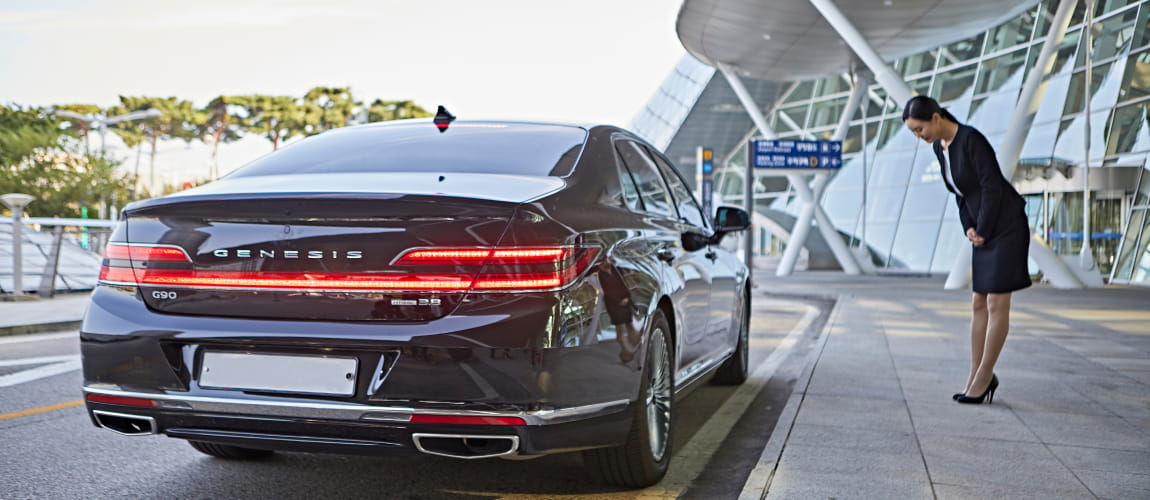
(689, 270)
(721, 299)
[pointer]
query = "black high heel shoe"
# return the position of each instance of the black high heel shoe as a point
(993, 378)
(988, 395)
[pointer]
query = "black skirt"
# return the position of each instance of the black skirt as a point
(1000, 264)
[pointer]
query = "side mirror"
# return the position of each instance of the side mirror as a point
(731, 219)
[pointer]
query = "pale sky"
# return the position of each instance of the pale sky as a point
(584, 61)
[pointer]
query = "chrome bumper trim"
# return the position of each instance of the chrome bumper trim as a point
(355, 412)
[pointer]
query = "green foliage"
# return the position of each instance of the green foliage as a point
(381, 110)
(40, 154)
(79, 127)
(129, 132)
(64, 181)
(174, 123)
(24, 131)
(326, 108)
(222, 120)
(277, 118)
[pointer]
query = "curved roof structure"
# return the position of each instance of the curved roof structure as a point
(786, 40)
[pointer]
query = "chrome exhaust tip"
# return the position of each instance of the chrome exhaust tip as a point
(466, 446)
(128, 425)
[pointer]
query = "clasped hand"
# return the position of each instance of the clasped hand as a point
(974, 238)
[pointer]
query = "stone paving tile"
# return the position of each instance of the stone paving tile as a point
(1116, 485)
(844, 382)
(1045, 396)
(1007, 464)
(1085, 430)
(858, 462)
(1119, 395)
(973, 421)
(931, 351)
(854, 412)
(1092, 346)
(853, 439)
(935, 386)
(1103, 459)
(1001, 492)
(827, 472)
(810, 485)
(1142, 376)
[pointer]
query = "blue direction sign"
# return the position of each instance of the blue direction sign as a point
(792, 154)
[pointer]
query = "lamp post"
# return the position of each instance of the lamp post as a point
(16, 202)
(101, 121)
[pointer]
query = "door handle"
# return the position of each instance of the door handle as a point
(665, 255)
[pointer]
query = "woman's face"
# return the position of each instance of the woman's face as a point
(927, 130)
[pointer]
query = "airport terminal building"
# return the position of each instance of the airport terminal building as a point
(819, 69)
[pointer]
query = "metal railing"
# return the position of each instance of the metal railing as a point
(88, 234)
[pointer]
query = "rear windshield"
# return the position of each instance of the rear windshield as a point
(489, 148)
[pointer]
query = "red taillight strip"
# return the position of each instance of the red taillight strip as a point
(452, 282)
(530, 255)
(295, 281)
(142, 253)
(119, 400)
(117, 274)
(520, 281)
(466, 420)
(485, 255)
(449, 256)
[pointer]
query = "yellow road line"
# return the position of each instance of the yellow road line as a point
(42, 409)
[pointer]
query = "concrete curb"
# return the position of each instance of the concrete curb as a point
(39, 328)
(759, 481)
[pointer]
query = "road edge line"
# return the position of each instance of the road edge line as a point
(41, 409)
(759, 480)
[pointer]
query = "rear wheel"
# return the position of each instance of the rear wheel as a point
(642, 460)
(734, 371)
(229, 451)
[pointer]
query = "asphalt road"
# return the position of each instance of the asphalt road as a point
(50, 449)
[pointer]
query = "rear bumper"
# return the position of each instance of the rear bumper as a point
(570, 395)
(355, 428)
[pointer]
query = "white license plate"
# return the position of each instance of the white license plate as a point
(279, 373)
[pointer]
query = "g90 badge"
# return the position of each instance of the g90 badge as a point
(416, 302)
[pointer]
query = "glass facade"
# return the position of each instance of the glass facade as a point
(909, 221)
(663, 115)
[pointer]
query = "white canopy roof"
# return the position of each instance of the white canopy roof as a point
(789, 40)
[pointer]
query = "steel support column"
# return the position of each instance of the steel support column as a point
(883, 74)
(838, 247)
(803, 224)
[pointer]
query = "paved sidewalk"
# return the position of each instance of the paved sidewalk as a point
(872, 416)
(63, 312)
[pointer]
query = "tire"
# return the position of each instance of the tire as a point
(734, 371)
(229, 452)
(643, 459)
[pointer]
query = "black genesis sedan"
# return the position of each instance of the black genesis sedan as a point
(467, 289)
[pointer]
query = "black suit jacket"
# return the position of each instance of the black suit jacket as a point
(988, 200)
